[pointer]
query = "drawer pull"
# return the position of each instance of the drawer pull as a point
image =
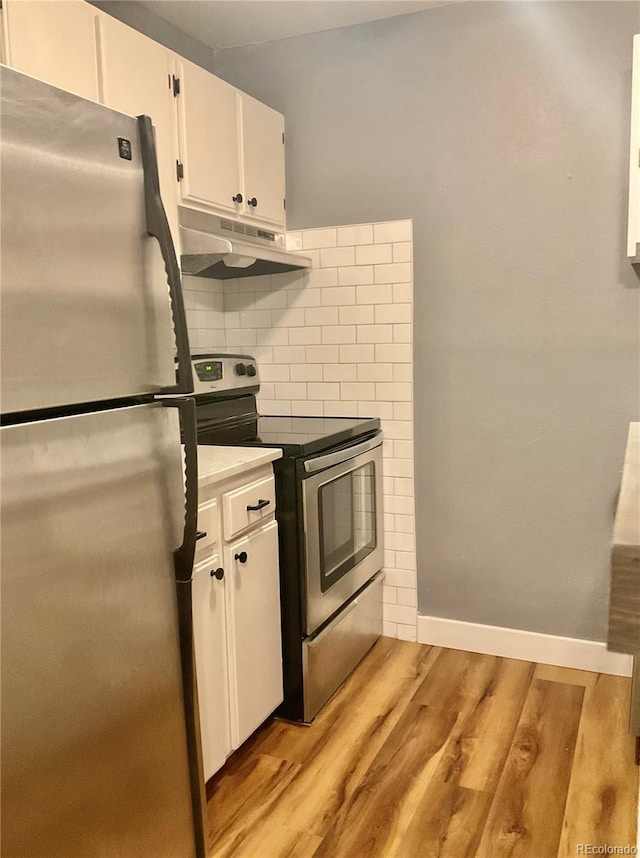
(201, 534)
(241, 558)
(260, 505)
(217, 573)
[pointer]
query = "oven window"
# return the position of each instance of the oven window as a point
(347, 512)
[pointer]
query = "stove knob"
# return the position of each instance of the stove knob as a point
(251, 370)
(241, 369)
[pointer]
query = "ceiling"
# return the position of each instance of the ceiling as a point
(232, 23)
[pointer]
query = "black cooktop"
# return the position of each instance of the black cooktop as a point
(237, 423)
(306, 435)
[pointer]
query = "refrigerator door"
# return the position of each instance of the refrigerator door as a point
(95, 758)
(86, 311)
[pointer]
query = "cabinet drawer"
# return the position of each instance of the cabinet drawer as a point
(248, 505)
(207, 525)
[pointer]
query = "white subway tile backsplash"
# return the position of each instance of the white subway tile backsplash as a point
(374, 254)
(386, 314)
(312, 238)
(395, 230)
(394, 391)
(400, 577)
(322, 354)
(356, 315)
(403, 411)
(402, 251)
(383, 410)
(357, 354)
(306, 372)
(389, 630)
(321, 316)
(289, 354)
(375, 372)
(402, 293)
(394, 353)
(394, 272)
(253, 319)
(303, 297)
(375, 333)
(339, 334)
(402, 333)
(355, 275)
(272, 336)
(333, 257)
(358, 234)
(334, 340)
(293, 317)
(357, 390)
(372, 294)
(336, 408)
(339, 295)
(275, 372)
(403, 372)
(407, 632)
(323, 390)
(290, 390)
(322, 278)
(305, 336)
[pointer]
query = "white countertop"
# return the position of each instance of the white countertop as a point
(220, 463)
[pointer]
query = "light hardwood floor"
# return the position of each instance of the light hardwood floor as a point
(430, 752)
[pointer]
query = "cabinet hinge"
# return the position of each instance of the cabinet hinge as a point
(179, 171)
(284, 204)
(176, 85)
(282, 132)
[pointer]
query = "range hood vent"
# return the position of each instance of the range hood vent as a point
(221, 249)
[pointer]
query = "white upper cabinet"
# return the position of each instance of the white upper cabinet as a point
(231, 149)
(263, 161)
(633, 238)
(55, 42)
(209, 140)
(135, 78)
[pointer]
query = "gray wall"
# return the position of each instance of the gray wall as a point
(502, 129)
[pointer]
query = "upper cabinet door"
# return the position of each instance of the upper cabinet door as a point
(209, 142)
(263, 161)
(55, 42)
(135, 78)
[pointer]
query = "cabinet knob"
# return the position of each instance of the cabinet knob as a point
(252, 202)
(237, 198)
(218, 573)
(241, 557)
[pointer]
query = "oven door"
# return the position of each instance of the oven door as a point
(342, 504)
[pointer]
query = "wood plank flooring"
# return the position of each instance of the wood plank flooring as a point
(435, 753)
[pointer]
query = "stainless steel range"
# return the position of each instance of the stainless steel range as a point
(329, 511)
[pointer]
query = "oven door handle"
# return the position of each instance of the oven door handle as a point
(319, 463)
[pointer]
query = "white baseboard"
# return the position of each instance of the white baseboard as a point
(528, 646)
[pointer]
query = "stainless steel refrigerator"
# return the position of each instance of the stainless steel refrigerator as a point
(100, 743)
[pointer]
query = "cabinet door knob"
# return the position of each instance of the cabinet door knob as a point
(242, 557)
(218, 573)
(260, 505)
(252, 202)
(237, 198)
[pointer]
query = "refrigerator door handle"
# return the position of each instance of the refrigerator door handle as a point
(183, 556)
(158, 227)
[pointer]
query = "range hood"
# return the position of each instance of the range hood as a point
(220, 248)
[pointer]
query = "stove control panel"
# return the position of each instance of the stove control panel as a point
(224, 374)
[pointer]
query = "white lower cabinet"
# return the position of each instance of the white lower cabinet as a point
(210, 638)
(253, 631)
(236, 616)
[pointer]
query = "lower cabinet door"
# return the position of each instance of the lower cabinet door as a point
(253, 630)
(209, 630)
